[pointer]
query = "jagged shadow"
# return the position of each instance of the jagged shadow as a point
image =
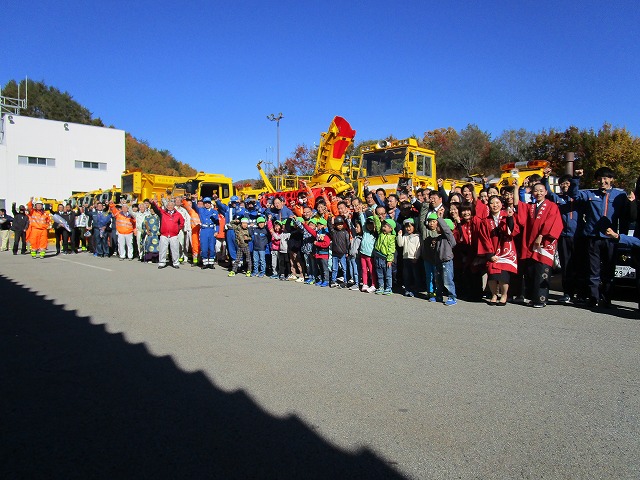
(79, 402)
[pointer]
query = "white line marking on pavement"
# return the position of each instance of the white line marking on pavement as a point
(84, 264)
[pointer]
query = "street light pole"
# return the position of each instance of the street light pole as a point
(277, 118)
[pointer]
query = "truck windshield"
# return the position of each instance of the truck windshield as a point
(207, 189)
(385, 162)
(127, 183)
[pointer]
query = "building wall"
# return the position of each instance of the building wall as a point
(65, 144)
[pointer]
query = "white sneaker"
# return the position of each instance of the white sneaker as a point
(292, 277)
(300, 280)
(371, 289)
(354, 288)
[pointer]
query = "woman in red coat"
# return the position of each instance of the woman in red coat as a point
(541, 225)
(495, 242)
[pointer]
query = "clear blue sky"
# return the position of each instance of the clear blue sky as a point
(198, 78)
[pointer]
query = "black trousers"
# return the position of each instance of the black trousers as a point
(537, 276)
(601, 253)
(61, 238)
(79, 239)
(581, 264)
(567, 265)
(16, 240)
(283, 263)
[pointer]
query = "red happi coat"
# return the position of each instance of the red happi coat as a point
(466, 249)
(480, 210)
(547, 222)
(498, 240)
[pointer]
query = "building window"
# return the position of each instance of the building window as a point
(91, 165)
(36, 161)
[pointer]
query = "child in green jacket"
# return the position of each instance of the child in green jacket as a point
(383, 253)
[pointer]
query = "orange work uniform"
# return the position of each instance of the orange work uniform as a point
(124, 224)
(39, 225)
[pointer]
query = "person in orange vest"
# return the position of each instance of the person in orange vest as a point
(39, 225)
(125, 225)
(195, 230)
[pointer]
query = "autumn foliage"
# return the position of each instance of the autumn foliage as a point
(150, 160)
(473, 151)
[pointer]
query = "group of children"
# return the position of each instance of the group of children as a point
(358, 251)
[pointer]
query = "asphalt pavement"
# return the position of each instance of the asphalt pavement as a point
(115, 369)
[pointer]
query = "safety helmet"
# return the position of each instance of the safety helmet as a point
(338, 220)
(244, 220)
(235, 198)
(260, 220)
(206, 200)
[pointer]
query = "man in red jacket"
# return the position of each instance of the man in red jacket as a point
(171, 224)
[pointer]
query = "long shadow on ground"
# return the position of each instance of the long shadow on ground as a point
(79, 402)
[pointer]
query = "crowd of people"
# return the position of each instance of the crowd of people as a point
(497, 246)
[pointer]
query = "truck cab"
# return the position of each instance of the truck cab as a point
(398, 162)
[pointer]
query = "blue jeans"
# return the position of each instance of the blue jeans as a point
(384, 273)
(430, 272)
(338, 261)
(444, 279)
(322, 265)
(352, 264)
(259, 262)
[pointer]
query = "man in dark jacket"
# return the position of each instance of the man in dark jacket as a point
(5, 229)
(68, 235)
(19, 226)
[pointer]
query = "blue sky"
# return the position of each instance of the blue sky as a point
(199, 78)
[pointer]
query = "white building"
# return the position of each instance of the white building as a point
(50, 159)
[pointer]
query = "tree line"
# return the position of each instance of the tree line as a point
(473, 152)
(50, 103)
